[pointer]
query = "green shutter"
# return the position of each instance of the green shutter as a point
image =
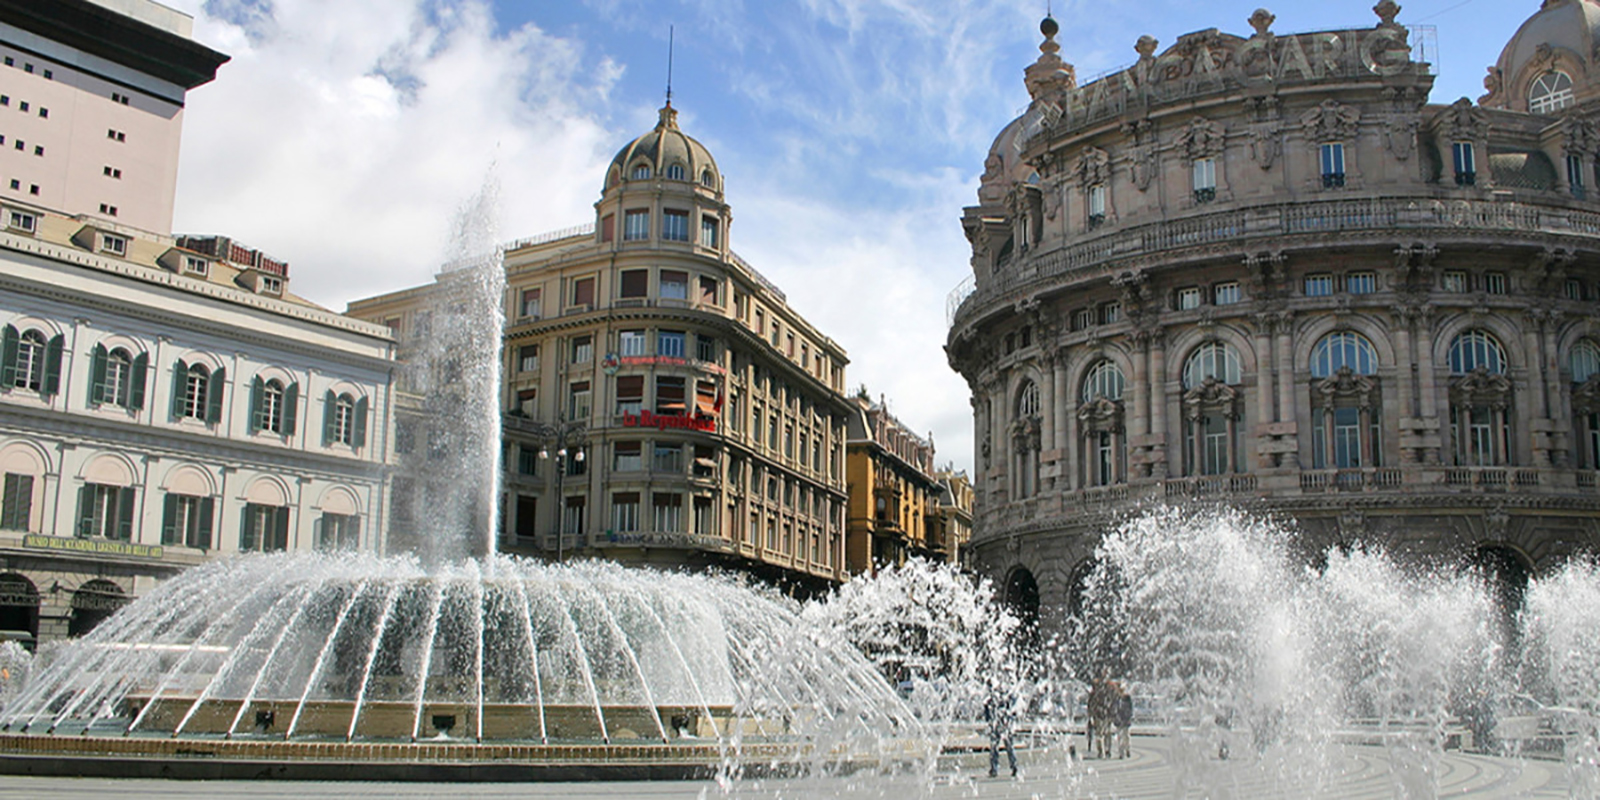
(280, 527)
(247, 538)
(214, 387)
(291, 408)
(330, 403)
(125, 512)
(140, 374)
(86, 510)
(180, 385)
(8, 356)
(16, 506)
(97, 376)
(358, 430)
(257, 389)
(208, 511)
(52, 364)
(169, 520)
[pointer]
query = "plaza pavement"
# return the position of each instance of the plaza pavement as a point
(1363, 772)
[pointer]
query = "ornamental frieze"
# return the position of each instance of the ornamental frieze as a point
(1331, 121)
(1202, 139)
(1094, 167)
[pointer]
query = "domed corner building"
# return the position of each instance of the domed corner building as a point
(1265, 270)
(664, 403)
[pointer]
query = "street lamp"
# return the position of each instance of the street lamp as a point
(566, 438)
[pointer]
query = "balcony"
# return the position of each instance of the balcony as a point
(1350, 480)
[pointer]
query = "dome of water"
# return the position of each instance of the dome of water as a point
(311, 646)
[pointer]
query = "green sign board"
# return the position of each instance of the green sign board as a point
(96, 546)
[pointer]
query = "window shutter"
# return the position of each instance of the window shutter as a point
(52, 364)
(125, 511)
(320, 531)
(208, 513)
(280, 525)
(85, 510)
(358, 428)
(329, 401)
(180, 385)
(214, 395)
(291, 408)
(257, 389)
(141, 374)
(247, 539)
(169, 520)
(8, 355)
(97, 376)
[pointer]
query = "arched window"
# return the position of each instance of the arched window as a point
(1344, 403)
(1474, 349)
(29, 370)
(1211, 409)
(1028, 400)
(119, 369)
(1584, 362)
(273, 406)
(675, 172)
(707, 179)
(1104, 380)
(1550, 92)
(1211, 360)
(1480, 400)
(1343, 349)
(641, 172)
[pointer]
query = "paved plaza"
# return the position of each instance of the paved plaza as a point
(1364, 772)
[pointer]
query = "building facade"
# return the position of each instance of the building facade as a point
(894, 492)
(163, 400)
(1265, 270)
(951, 524)
(664, 404)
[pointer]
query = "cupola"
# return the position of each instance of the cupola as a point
(1547, 64)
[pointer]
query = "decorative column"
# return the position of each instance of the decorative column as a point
(1403, 359)
(1060, 411)
(1285, 358)
(1158, 403)
(1535, 358)
(1265, 380)
(1364, 435)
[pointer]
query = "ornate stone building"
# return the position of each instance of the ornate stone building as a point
(664, 404)
(894, 492)
(1266, 270)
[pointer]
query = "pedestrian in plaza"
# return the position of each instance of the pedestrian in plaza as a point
(1001, 716)
(1124, 721)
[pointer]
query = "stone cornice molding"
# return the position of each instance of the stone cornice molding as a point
(1481, 387)
(1101, 415)
(1211, 395)
(1346, 385)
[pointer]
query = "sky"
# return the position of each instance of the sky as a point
(344, 135)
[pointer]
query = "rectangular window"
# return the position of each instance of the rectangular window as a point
(22, 221)
(578, 401)
(1465, 163)
(528, 402)
(705, 348)
(634, 283)
(675, 225)
(772, 432)
(1188, 298)
(1319, 285)
(666, 511)
(636, 225)
(669, 344)
(674, 285)
(1494, 282)
(186, 521)
(1225, 294)
(105, 512)
(667, 458)
(631, 343)
(572, 515)
(1205, 180)
(1361, 282)
(788, 441)
(1110, 313)
(628, 457)
(527, 516)
(527, 460)
(670, 395)
(1332, 165)
(705, 462)
(1575, 176)
(528, 358)
(339, 533)
(630, 394)
(705, 398)
(1083, 318)
(116, 245)
(582, 349)
(708, 231)
(1097, 205)
(761, 323)
(608, 228)
(200, 266)
(1455, 281)
(16, 503)
(704, 519)
(531, 307)
(1574, 289)
(625, 512)
(264, 528)
(708, 290)
(583, 293)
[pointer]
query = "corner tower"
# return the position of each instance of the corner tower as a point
(667, 177)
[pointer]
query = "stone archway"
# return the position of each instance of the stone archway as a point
(1506, 570)
(1078, 585)
(19, 609)
(92, 604)
(1022, 598)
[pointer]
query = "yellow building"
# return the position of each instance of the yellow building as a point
(664, 404)
(893, 492)
(950, 523)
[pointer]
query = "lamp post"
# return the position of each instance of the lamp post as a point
(566, 438)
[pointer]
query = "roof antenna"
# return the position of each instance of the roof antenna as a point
(669, 65)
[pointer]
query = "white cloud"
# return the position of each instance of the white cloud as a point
(342, 136)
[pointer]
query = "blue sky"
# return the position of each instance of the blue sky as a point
(344, 135)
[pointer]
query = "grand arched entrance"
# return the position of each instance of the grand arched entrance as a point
(19, 609)
(92, 603)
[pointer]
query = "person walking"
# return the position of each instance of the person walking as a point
(998, 712)
(1124, 720)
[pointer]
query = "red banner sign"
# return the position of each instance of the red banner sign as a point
(648, 419)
